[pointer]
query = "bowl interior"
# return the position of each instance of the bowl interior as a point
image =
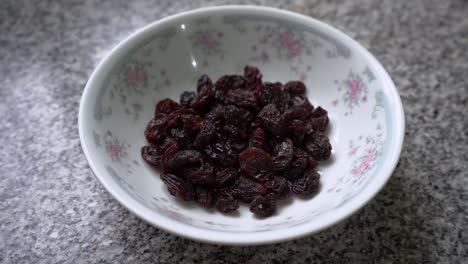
(167, 58)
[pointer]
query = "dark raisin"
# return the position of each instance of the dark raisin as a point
(237, 116)
(319, 119)
(186, 98)
(200, 175)
(229, 82)
(233, 132)
(318, 145)
(224, 201)
(204, 83)
(263, 206)
(226, 176)
(155, 131)
(241, 98)
(256, 163)
(253, 78)
(298, 129)
(295, 87)
(166, 106)
(279, 186)
(216, 115)
(257, 139)
(178, 187)
(170, 151)
(205, 136)
(298, 165)
(185, 158)
(308, 184)
(222, 154)
(272, 120)
(205, 97)
(151, 155)
(204, 196)
(284, 152)
(246, 189)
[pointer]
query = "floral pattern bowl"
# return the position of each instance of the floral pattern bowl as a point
(166, 57)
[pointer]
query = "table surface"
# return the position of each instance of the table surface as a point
(52, 209)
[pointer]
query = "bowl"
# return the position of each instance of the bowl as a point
(166, 57)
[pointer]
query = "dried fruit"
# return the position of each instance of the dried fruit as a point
(284, 152)
(263, 206)
(178, 187)
(187, 97)
(308, 184)
(166, 106)
(246, 189)
(318, 145)
(151, 155)
(278, 186)
(238, 140)
(226, 176)
(204, 196)
(256, 163)
(224, 201)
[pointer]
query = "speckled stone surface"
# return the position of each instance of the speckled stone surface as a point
(53, 210)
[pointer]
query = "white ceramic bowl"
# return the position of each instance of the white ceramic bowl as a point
(166, 57)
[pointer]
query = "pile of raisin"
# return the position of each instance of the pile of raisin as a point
(238, 139)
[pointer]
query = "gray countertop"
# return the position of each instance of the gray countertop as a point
(53, 210)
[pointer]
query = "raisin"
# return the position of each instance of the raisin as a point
(186, 98)
(166, 106)
(224, 201)
(253, 78)
(298, 165)
(246, 189)
(241, 98)
(199, 175)
(205, 97)
(155, 131)
(298, 129)
(257, 139)
(256, 163)
(185, 158)
(204, 83)
(222, 154)
(234, 132)
(263, 206)
(151, 155)
(205, 136)
(319, 119)
(295, 87)
(204, 196)
(170, 151)
(308, 184)
(284, 152)
(272, 120)
(229, 82)
(216, 115)
(226, 176)
(318, 145)
(178, 187)
(279, 186)
(237, 116)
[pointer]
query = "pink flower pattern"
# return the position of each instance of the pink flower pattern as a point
(353, 92)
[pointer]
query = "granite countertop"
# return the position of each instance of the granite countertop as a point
(53, 210)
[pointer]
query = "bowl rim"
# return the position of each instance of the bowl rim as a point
(244, 238)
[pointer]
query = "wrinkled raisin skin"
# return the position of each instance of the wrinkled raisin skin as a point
(263, 206)
(224, 201)
(308, 184)
(178, 187)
